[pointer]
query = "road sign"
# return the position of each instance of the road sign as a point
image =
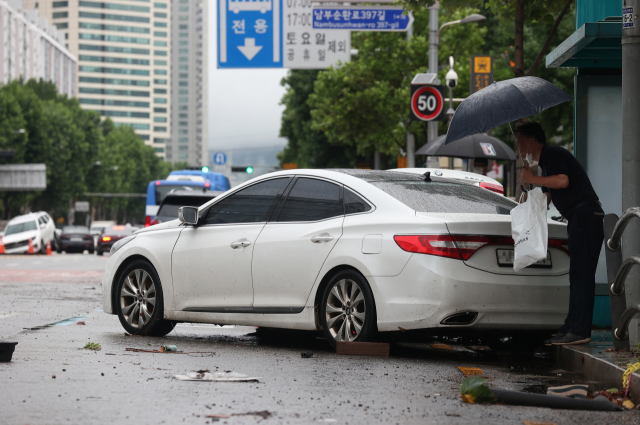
(361, 19)
(481, 73)
(427, 103)
(627, 17)
(276, 34)
(219, 158)
(22, 177)
(82, 206)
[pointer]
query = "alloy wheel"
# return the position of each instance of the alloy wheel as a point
(138, 298)
(345, 310)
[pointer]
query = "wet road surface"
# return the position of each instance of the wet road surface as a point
(417, 384)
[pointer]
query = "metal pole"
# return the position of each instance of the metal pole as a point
(617, 302)
(631, 157)
(433, 58)
(411, 140)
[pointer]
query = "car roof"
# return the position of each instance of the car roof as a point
(451, 174)
(24, 218)
(193, 193)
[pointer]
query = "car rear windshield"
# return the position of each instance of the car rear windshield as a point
(446, 197)
(171, 204)
(20, 227)
(118, 230)
(75, 229)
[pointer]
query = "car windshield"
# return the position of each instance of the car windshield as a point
(172, 204)
(118, 230)
(446, 197)
(20, 227)
(74, 229)
(164, 189)
(97, 229)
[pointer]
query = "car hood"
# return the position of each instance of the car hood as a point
(161, 226)
(22, 236)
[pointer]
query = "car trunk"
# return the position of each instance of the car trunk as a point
(494, 257)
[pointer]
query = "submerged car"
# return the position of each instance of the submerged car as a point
(37, 228)
(75, 239)
(180, 198)
(111, 235)
(344, 252)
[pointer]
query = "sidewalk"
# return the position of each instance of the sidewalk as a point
(596, 363)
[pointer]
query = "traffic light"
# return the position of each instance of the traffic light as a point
(205, 169)
(249, 170)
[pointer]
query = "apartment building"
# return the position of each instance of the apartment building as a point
(32, 48)
(189, 69)
(124, 56)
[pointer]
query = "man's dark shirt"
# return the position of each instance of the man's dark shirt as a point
(555, 160)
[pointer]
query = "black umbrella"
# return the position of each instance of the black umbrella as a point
(476, 146)
(503, 102)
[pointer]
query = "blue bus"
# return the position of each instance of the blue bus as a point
(182, 180)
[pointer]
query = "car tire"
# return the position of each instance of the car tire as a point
(352, 319)
(139, 301)
(43, 248)
(99, 252)
(91, 251)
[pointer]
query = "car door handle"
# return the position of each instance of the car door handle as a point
(321, 238)
(240, 244)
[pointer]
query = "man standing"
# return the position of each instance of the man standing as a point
(566, 182)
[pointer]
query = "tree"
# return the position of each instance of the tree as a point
(307, 147)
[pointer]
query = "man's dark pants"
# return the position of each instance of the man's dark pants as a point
(585, 242)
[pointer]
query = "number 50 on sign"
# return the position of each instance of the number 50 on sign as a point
(427, 103)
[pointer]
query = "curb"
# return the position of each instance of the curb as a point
(599, 368)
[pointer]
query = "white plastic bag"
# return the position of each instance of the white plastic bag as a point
(529, 230)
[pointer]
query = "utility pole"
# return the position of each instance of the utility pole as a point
(432, 131)
(631, 150)
(411, 139)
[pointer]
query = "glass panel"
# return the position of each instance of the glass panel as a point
(312, 200)
(251, 205)
(353, 204)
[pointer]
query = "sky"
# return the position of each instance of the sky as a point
(244, 109)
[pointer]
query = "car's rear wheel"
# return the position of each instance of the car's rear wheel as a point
(139, 301)
(347, 311)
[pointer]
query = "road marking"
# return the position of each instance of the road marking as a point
(3, 315)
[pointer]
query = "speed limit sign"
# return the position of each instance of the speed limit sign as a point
(427, 103)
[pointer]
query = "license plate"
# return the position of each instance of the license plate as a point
(76, 239)
(505, 259)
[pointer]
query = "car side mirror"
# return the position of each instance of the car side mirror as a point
(188, 215)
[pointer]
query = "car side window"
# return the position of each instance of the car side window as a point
(354, 204)
(312, 200)
(251, 205)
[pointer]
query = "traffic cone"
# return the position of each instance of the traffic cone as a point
(49, 248)
(30, 250)
(2, 246)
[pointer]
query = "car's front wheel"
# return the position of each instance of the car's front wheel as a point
(347, 311)
(140, 302)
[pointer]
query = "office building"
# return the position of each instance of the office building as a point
(123, 56)
(189, 44)
(31, 48)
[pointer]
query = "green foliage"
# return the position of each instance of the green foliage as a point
(474, 390)
(92, 346)
(81, 152)
(307, 147)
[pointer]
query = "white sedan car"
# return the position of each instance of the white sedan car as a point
(345, 252)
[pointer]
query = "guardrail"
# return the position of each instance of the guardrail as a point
(617, 272)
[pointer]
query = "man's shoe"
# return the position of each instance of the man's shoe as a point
(571, 339)
(549, 342)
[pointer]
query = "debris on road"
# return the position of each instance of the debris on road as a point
(306, 354)
(163, 350)
(470, 371)
(206, 375)
(439, 346)
(473, 390)
(80, 323)
(264, 414)
(617, 398)
(363, 348)
(218, 416)
(573, 390)
(168, 348)
(543, 400)
(53, 376)
(92, 346)
(6, 350)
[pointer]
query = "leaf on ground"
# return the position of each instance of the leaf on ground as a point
(476, 391)
(93, 346)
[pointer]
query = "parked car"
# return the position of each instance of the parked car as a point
(465, 176)
(111, 235)
(179, 198)
(35, 227)
(97, 227)
(75, 239)
(344, 252)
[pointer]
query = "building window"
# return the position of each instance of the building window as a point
(58, 15)
(144, 136)
(183, 67)
(159, 62)
(184, 91)
(113, 6)
(160, 24)
(160, 129)
(127, 114)
(183, 99)
(113, 70)
(160, 91)
(184, 83)
(183, 51)
(183, 75)
(183, 140)
(184, 116)
(62, 26)
(111, 17)
(158, 81)
(184, 34)
(113, 81)
(92, 90)
(160, 5)
(159, 100)
(128, 61)
(159, 43)
(159, 72)
(184, 18)
(114, 49)
(135, 126)
(184, 132)
(183, 148)
(184, 124)
(159, 150)
(160, 15)
(183, 108)
(160, 52)
(184, 27)
(160, 33)
(159, 119)
(57, 4)
(120, 28)
(116, 38)
(110, 102)
(160, 110)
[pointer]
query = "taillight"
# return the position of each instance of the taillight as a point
(460, 247)
(147, 221)
(492, 187)
(561, 244)
(207, 185)
(106, 238)
(154, 222)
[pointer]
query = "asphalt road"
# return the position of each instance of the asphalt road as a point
(53, 380)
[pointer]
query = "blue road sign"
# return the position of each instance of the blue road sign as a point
(361, 19)
(249, 34)
(219, 158)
